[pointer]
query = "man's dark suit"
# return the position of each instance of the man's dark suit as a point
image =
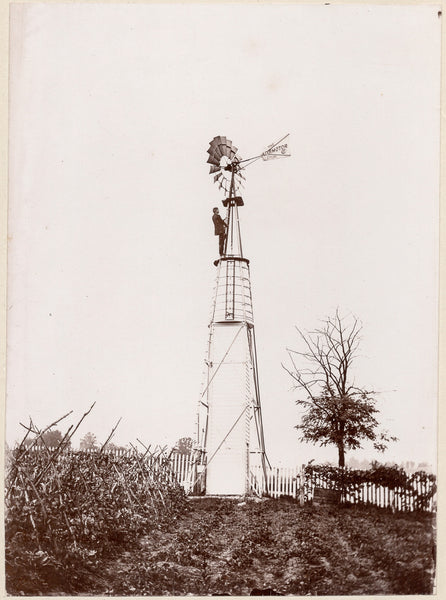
(220, 230)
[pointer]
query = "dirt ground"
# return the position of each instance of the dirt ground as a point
(269, 547)
(224, 547)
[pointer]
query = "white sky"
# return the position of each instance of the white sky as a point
(111, 240)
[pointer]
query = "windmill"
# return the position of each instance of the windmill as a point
(230, 438)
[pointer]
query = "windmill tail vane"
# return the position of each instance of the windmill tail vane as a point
(280, 149)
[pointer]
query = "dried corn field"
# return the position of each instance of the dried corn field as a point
(67, 510)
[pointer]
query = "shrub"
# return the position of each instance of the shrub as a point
(417, 489)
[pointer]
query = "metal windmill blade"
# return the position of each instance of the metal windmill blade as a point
(226, 150)
(223, 161)
(214, 153)
(233, 151)
(219, 147)
(213, 159)
(230, 150)
(214, 145)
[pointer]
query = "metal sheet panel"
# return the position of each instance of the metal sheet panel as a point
(228, 425)
(233, 301)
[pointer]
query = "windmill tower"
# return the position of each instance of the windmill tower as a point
(229, 426)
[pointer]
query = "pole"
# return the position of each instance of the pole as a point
(302, 484)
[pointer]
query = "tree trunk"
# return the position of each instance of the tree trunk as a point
(341, 449)
(341, 455)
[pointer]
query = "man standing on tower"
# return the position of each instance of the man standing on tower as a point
(219, 229)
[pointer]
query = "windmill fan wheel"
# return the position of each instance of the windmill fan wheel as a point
(224, 161)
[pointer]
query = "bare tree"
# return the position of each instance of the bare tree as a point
(336, 410)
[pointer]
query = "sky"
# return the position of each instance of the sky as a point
(111, 245)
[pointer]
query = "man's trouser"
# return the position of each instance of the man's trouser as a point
(221, 242)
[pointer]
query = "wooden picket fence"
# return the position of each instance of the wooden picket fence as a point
(295, 483)
(280, 481)
(184, 470)
(181, 466)
(397, 498)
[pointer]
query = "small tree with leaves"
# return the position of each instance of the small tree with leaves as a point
(51, 439)
(336, 411)
(184, 445)
(88, 442)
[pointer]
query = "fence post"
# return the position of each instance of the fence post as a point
(301, 485)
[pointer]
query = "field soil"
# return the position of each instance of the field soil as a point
(267, 547)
